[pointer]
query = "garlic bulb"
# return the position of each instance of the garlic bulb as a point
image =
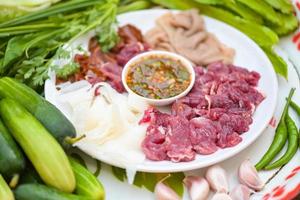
(217, 179)
(221, 196)
(248, 176)
(240, 192)
(197, 186)
(163, 192)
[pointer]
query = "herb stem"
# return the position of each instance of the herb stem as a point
(92, 25)
(29, 27)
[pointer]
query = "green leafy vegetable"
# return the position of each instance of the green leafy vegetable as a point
(290, 24)
(149, 180)
(279, 64)
(235, 7)
(285, 6)
(244, 12)
(40, 37)
(264, 9)
(15, 48)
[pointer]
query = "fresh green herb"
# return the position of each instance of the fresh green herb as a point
(107, 36)
(41, 36)
(68, 69)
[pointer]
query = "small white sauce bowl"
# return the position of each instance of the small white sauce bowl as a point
(159, 102)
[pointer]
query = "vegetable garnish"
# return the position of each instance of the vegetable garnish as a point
(30, 43)
(158, 78)
(292, 144)
(279, 138)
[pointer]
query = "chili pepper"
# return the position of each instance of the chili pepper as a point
(292, 146)
(279, 138)
(295, 107)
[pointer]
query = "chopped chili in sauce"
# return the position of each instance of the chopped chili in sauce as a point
(158, 78)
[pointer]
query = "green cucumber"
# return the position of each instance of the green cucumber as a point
(44, 152)
(11, 158)
(34, 191)
(54, 121)
(86, 183)
(5, 192)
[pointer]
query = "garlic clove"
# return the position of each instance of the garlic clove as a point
(240, 192)
(163, 192)
(217, 179)
(221, 196)
(197, 186)
(248, 176)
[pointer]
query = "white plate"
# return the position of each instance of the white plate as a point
(248, 55)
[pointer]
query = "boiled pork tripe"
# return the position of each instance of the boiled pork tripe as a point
(109, 120)
(184, 33)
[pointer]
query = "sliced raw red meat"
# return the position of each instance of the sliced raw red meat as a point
(179, 146)
(203, 135)
(183, 110)
(154, 146)
(213, 115)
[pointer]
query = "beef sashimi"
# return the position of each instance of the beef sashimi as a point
(102, 66)
(213, 115)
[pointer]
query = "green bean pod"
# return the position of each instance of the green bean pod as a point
(5, 192)
(292, 144)
(279, 138)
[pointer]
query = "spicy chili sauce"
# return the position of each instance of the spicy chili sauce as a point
(158, 78)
